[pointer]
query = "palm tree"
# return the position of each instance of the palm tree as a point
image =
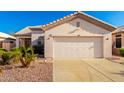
(26, 56)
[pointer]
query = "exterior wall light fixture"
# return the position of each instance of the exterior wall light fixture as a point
(107, 38)
(78, 35)
(50, 35)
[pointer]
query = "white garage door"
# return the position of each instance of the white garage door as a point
(78, 47)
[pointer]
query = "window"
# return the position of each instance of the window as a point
(118, 41)
(27, 42)
(78, 24)
(0, 44)
(119, 35)
(11, 42)
(40, 40)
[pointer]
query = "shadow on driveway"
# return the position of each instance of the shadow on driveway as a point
(121, 73)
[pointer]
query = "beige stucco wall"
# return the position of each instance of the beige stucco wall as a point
(86, 29)
(7, 43)
(113, 40)
(122, 40)
(107, 45)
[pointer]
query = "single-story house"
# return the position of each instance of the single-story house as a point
(7, 41)
(118, 40)
(77, 35)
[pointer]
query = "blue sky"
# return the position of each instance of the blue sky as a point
(13, 21)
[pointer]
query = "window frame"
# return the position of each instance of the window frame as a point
(1, 44)
(117, 37)
(40, 40)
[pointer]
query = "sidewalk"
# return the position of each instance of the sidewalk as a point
(117, 59)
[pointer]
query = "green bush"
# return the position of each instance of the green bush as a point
(15, 49)
(2, 51)
(16, 55)
(9, 57)
(121, 51)
(24, 55)
(6, 57)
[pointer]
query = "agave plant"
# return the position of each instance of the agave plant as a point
(27, 56)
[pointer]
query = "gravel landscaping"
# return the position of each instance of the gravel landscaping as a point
(37, 72)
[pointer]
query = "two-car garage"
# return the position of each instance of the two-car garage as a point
(77, 47)
(78, 36)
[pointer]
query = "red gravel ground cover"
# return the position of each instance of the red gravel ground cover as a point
(37, 72)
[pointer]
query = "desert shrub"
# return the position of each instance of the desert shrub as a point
(6, 57)
(9, 57)
(24, 55)
(121, 51)
(16, 55)
(2, 51)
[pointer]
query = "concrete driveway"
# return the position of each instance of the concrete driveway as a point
(87, 70)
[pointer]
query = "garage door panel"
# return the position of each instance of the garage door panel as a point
(78, 47)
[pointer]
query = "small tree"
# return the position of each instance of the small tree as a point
(27, 56)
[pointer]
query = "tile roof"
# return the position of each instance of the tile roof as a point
(98, 22)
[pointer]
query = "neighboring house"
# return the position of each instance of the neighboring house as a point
(7, 41)
(75, 36)
(118, 39)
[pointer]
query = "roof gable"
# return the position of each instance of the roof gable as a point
(28, 30)
(4, 35)
(82, 15)
(119, 30)
(86, 17)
